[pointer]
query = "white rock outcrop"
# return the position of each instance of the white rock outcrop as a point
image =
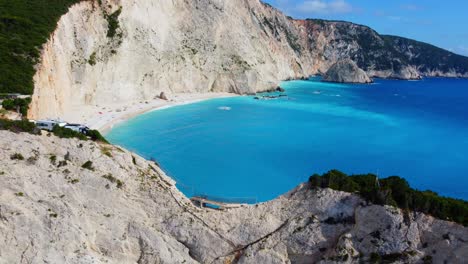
(123, 209)
(346, 71)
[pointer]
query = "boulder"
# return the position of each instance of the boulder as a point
(279, 89)
(346, 71)
(163, 96)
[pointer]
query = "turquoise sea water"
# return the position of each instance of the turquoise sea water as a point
(261, 149)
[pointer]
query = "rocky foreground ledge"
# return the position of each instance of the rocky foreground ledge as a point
(71, 201)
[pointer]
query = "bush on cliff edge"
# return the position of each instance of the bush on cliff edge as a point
(394, 191)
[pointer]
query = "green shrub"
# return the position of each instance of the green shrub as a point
(394, 191)
(53, 159)
(62, 163)
(74, 181)
(113, 23)
(112, 179)
(17, 156)
(92, 59)
(63, 132)
(88, 165)
(119, 184)
(95, 135)
(19, 126)
(21, 104)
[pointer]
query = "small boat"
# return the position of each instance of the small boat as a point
(224, 108)
(270, 97)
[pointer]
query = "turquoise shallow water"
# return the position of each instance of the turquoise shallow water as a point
(261, 149)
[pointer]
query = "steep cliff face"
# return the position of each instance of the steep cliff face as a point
(124, 209)
(380, 56)
(158, 45)
(428, 60)
(114, 51)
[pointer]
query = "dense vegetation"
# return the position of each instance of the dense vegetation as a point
(29, 127)
(382, 52)
(19, 126)
(429, 57)
(63, 132)
(394, 191)
(93, 135)
(24, 27)
(21, 104)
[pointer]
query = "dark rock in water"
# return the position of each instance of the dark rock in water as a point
(346, 71)
(270, 90)
(279, 89)
(163, 96)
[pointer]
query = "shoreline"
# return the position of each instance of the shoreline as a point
(104, 118)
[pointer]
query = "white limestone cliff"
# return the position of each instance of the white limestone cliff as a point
(201, 46)
(160, 46)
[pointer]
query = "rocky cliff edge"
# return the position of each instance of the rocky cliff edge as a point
(70, 201)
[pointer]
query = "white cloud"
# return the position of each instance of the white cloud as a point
(324, 7)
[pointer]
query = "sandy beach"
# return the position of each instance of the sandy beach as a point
(104, 117)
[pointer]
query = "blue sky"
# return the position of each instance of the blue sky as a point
(442, 23)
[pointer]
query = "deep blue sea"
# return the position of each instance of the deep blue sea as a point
(241, 147)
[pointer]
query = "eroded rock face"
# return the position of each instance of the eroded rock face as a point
(162, 46)
(346, 71)
(124, 209)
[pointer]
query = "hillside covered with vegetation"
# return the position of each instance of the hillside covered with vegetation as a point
(427, 56)
(394, 191)
(373, 51)
(25, 25)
